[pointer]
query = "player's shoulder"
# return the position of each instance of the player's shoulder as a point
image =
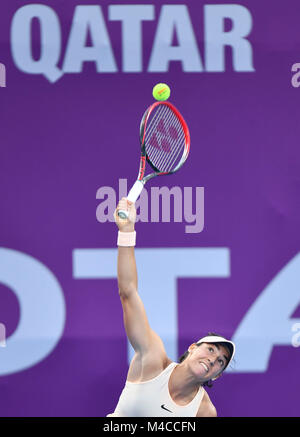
(207, 408)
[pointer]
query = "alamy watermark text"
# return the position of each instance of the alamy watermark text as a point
(2, 335)
(296, 336)
(2, 76)
(188, 207)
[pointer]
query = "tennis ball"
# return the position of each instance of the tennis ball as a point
(161, 91)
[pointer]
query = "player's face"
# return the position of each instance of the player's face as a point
(208, 360)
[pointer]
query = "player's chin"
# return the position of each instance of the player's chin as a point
(200, 372)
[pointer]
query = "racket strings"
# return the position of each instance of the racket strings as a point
(168, 163)
(164, 162)
(153, 136)
(156, 135)
(177, 128)
(164, 139)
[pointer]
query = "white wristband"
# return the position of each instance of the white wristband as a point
(126, 239)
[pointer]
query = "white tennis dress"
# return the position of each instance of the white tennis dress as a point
(152, 399)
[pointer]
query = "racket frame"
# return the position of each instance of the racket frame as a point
(145, 157)
(141, 180)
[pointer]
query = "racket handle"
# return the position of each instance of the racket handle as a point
(132, 196)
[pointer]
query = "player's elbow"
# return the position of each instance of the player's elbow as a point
(127, 290)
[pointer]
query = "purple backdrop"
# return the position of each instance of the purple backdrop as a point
(63, 140)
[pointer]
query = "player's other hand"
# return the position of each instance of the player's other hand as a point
(125, 225)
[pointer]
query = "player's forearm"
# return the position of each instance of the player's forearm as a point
(127, 274)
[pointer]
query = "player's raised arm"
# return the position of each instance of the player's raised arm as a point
(127, 274)
(142, 338)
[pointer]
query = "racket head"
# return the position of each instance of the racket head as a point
(165, 138)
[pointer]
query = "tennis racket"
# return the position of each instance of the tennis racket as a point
(165, 145)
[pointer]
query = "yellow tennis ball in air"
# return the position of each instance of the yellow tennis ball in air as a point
(161, 91)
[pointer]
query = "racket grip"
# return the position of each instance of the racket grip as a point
(132, 196)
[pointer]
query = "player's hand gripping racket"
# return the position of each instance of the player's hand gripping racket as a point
(165, 144)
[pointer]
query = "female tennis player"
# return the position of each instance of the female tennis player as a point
(157, 386)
